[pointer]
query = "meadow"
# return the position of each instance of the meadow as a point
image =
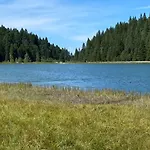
(52, 118)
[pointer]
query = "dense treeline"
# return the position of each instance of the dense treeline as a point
(21, 46)
(125, 42)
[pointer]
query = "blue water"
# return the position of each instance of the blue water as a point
(127, 77)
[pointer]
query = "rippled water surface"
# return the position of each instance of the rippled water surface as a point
(128, 77)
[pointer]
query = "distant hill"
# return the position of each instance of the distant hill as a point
(127, 41)
(21, 46)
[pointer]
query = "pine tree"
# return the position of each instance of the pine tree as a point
(125, 42)
(27, 58)
(15, 44)
(12, 59)
(76, 55)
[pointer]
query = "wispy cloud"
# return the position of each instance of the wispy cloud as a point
(68, 20)
(143, 7)
(54, 13)
(83, 37)
(80, 38)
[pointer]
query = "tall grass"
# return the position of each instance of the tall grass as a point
(35, 118)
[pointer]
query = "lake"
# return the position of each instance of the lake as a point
(127, 77)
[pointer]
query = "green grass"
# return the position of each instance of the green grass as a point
(35, 118)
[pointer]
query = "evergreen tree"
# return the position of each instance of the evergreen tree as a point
(76, 55)
(12, 59)
(17, 45)
(125, 42)
(27, 58)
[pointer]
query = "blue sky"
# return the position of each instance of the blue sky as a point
(68, 23)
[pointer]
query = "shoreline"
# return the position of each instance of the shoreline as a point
(53, 118)
(70, 94)
(106, 62)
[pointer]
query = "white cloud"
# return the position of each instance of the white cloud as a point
(29, 23)
(83, 38)
(74, 22)
(144, 7)
(50, 15)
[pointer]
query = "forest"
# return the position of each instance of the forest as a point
(21, 46)
(127, 41)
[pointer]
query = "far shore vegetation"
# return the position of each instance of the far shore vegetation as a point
(69, 118)
(127, 41)
(77, 62)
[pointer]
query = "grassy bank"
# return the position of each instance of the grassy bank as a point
(59, 118)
